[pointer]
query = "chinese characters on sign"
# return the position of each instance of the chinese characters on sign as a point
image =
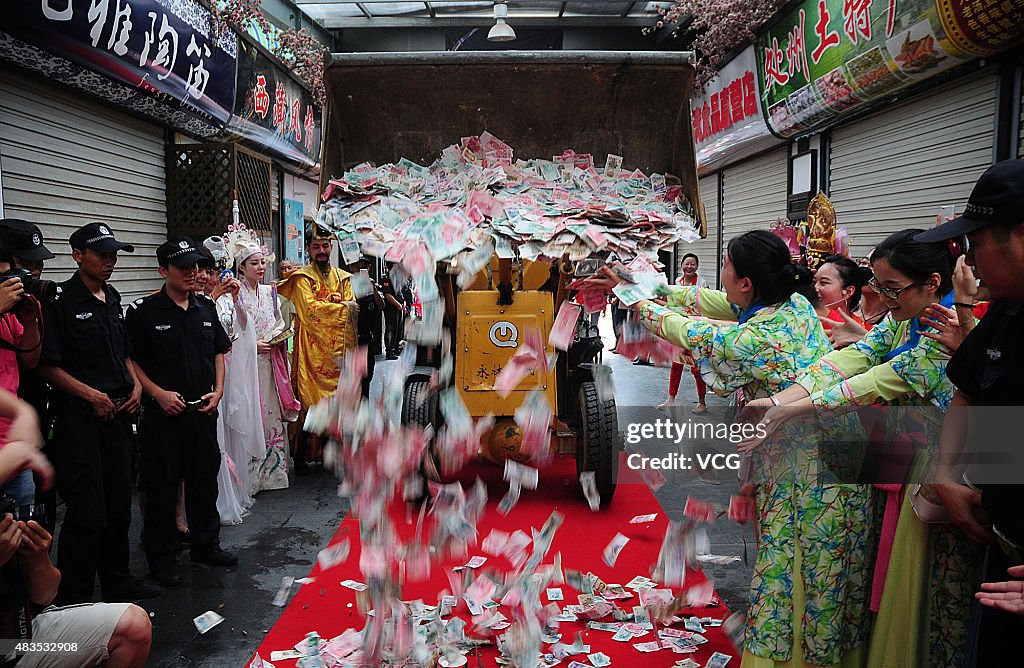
(727, 121)
(274, 110)
(732, 104)
(862, 51)
(165, 48)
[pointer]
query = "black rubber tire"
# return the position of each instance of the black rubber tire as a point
(419, 407)
(416, 410)
(597, 440)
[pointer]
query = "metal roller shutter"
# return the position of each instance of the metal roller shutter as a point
(893, 170)
(705, 249)
(754, 194)
(69, 160)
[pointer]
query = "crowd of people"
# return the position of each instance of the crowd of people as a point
(855, 565)
(213, 371)
(891, 555)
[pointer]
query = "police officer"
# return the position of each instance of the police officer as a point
(25, 242)
(86, 358)
(178, 345)
(394, 311)
(368, 322)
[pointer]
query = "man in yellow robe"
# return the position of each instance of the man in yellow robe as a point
(325, 318)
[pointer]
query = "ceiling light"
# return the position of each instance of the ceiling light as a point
(501, 31)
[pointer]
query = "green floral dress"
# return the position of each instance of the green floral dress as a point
(933, 568)
(811, 533)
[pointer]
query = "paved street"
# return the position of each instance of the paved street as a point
(288, 527)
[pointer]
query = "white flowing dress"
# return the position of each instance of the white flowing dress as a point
(239, 421)
(270, 469)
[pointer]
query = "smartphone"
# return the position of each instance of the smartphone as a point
(947, 212)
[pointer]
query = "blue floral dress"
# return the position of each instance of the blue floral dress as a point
(812, 566)
(925, 605)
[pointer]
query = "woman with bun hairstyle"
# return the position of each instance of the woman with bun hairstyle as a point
(807, 597)
(924, 575)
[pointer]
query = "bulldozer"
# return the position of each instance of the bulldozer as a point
(385, 106)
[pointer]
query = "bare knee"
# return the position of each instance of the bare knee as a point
(133, 630)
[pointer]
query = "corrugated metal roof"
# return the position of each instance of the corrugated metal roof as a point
(550, 13)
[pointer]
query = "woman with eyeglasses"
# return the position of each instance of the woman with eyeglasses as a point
(869, 312)
(924, 575)
(807, 601)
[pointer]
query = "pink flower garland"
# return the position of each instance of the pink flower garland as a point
(722, 25)
(298, 49)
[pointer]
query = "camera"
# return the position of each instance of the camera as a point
(41, 289)
(21, 513)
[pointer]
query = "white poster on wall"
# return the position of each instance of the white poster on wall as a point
(727, 121)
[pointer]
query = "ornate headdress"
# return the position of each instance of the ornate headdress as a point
(219, 248)
(314, 231)
(242, 243)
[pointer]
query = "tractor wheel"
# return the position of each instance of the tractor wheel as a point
(597, 440)
(419, 407)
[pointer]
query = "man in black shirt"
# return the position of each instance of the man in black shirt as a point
(987, 370)
(394, 311)
(86, 358)
(178, 346)
(368, 324)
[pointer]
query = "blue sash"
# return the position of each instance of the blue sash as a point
(914, 336)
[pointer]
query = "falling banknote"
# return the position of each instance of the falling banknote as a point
(588, 480)
(611, 552)
(207, 621)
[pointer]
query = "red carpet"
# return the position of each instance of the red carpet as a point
(327, 608)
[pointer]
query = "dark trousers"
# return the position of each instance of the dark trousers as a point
(392, 330)
(182, 447)
(618, 318)
(996, 633)
(368, 378)
(92, 460)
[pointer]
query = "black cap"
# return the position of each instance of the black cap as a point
(24, 240)
(997, 199)
(97, 237)
(179, 251)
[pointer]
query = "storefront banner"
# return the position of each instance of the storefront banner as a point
(273, 110)
(163, 47)
(728, 123)
(827, 59)
(294, 232)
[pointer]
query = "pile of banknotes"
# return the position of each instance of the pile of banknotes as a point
(476, 193)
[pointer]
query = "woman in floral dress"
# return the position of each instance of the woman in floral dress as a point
(807, 598)
(263, 312)
(924, 576)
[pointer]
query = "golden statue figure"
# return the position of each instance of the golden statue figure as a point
(821, 230)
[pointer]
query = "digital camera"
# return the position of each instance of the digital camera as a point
(21, 513)
(41, 289)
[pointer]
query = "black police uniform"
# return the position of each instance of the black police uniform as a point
(988, 368)
(86, 338)
(368, 328)
(177, 350)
